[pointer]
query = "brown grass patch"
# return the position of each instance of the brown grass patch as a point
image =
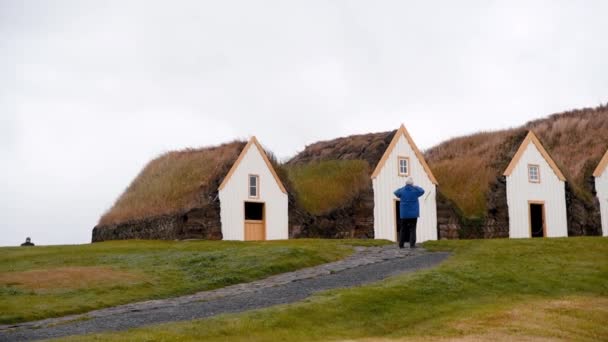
(578, 318)
(174, 182)
(466, 166)
(69, 278)
(498, 337)
(569, 319)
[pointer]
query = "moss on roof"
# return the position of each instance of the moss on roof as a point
(174, 182)
(328, 175)
(325, 185)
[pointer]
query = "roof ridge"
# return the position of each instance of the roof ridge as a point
(402, 131)
(253, 141)
(532, 138)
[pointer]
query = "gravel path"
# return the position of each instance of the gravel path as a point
(365, 266)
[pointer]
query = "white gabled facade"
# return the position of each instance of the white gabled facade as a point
(601, 187)
(548, 189)
(386, 178)
(234, 192)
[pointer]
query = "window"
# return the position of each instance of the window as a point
(534, 173)
(254, 186)
(404, 166)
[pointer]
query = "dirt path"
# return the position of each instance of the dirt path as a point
(365, 266)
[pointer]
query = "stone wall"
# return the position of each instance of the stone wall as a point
(496, 223)
(583, 216)
(448, 220)
(352, 221)
(452, 225)
(198, 223)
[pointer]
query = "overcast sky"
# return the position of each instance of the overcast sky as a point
(92, 90)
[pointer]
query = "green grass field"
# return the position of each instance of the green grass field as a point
(541, 289)
(43, 282)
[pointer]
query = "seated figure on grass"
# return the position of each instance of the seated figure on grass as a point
(28, 242)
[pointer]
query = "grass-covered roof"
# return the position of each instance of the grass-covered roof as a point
(467, 166)
(325, 185)
(329, 174)
(174, 182)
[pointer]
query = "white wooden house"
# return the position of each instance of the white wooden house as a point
(601, 187)
(536, 193)
(401, 160)
(253, 201)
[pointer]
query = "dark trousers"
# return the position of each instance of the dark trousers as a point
(408, 228)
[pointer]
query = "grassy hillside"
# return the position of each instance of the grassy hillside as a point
(173, 182)
(322, 186)
(466, 166)
(530, 290)
(42, 282)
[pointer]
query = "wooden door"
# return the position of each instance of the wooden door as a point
(255, 230)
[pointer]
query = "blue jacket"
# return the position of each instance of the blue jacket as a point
(408, 195)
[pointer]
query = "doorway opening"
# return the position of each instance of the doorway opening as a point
(255, 225)
(537, 220)
(254, 211)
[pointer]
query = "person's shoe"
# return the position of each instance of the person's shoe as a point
(400, 247)
(413, 247)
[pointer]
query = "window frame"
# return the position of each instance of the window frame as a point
(407, 160)
(530, 167)
(257, 186)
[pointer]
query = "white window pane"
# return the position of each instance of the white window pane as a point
(253, 186)
(403, 167)
(533, 172)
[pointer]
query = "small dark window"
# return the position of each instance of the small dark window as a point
(254, 181)
(404, 166)
(254, 211)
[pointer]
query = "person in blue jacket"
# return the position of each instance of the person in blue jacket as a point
(409, 211)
